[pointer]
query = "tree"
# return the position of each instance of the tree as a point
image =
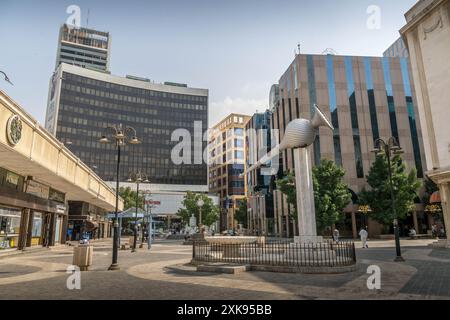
(129, 198)
(405, 188)
(331, 194)
(210, 211)
(241, 213)
(287, 186)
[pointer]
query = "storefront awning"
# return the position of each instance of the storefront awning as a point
(435, 197)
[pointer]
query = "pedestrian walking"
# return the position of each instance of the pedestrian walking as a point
(336, 235)
(363, 234)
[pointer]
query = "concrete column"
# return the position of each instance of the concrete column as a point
(286, 218)
(444, 190)
(305, 197)
(416, 225)
(24, 224)
(354, 227)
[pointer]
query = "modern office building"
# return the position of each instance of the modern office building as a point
(427, 34)
(39, 178)
(83, 47)
(83, 103)
(226, 151)
(366, 98)
(260, 182)
(397, 50)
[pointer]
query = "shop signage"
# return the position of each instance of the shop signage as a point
(14, 129)
(37, 189)
(12, 178)
(60, 209)
(56, 196)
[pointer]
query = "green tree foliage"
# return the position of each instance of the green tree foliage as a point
(405, 187)
(210, 211)
(331, 194)
(287, 186)
(129, 198)
(241, 213)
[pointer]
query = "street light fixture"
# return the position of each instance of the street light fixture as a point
(120, 137)
(200, 204)
(6, 78)
(137, 178)
(389, 148)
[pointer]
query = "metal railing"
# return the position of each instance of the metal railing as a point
(282, 253)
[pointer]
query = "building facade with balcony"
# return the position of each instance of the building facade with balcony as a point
(226, 166)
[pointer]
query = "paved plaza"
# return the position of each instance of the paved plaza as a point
(163, 273)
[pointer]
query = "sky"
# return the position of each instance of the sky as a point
(236, 49)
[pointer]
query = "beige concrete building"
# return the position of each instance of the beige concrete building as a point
(427, 35)
(226, 157)
(39, 177)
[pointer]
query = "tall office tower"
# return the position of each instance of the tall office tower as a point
(397, 50)
(226, 164)
(83, 47)
(83, 103)
(260, 182)
(366, 98)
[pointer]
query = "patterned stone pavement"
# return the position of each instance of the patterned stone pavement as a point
(163, 273)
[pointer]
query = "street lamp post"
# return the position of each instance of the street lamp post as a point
(200, 204)
(121, 137)
(389, 148)
(137, 178)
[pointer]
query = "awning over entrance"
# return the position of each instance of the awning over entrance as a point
(29, 150)
(435, 197)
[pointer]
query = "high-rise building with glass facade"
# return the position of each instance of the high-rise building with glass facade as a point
(397, 50)
(83, 47)
(83, 102)
(260, 181)
(366, 98)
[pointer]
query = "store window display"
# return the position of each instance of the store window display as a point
(9, 227)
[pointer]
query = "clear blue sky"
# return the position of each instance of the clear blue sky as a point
(236, 49)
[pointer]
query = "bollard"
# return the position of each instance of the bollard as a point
(82, 256)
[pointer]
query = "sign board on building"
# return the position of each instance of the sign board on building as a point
(38, 189)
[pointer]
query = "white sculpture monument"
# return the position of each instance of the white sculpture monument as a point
(299, 135)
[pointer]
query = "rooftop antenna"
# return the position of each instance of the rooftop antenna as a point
(329, 51)
(87, 18)
(298, 47)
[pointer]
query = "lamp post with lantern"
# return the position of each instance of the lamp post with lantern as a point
(120, 136)
(137, 178)
(390, 148)
(200, 204)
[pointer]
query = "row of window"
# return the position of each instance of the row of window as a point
(132, 91)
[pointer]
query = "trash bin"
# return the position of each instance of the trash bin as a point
(82, 256)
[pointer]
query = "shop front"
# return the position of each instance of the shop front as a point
(31, 214)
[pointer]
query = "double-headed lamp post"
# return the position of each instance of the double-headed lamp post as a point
(200, 204)
(390, 148)
(121, 136)
(137, 178)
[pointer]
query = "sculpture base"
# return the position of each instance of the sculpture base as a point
(308, 239)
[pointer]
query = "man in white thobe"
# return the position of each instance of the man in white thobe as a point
(363, 234)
